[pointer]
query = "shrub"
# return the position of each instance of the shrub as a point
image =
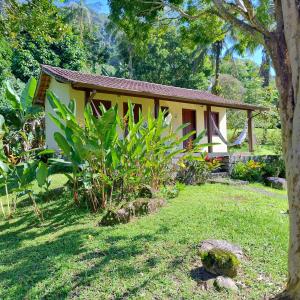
(107, 168)
(274, 168)
(250, 171)
(196, 170)
(276, 140)
(220, 262)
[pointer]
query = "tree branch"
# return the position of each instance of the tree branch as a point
(226, 15)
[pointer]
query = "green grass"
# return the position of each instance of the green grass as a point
(154, 257)
(259, 149)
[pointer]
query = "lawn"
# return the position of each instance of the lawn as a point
(154, 257)
(267, 148)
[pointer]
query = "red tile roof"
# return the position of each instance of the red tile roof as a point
(134, 87)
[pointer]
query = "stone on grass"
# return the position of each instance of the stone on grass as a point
(119, 216)
(146, 191)
(220, 262)
(207, 245)
(143, 206)
(139, 207)
(277, 183)
(226, 283)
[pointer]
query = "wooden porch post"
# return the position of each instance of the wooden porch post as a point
(250, 131)
(86, 97)
(156, 107)
(89, 95)
(209, 128)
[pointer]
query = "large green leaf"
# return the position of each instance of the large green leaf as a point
(4, 168)
(41, 174)
(12, 96)
(2, 122)
(62, 143)
(28, 94)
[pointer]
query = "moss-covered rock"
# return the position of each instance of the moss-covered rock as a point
(220, 262)
(139, 207)
(146, 191)
(143, 206)
(116, 217)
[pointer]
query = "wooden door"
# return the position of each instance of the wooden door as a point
(189, 116)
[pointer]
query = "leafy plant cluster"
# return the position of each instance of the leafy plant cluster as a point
(258, 170)
(250, 171)
(113, 157)
(196, 169)
(21, 144)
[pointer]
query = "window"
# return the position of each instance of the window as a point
(136, 110)
(215, 117)
(96, 106)
(165, 109)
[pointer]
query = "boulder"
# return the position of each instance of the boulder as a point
(226, 283)
(119, 216)
(277, 183)
(207, 245)
(146, 191)
(139, 207)
(220, 262)
(143, 206)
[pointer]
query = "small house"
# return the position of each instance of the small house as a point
(201, 110)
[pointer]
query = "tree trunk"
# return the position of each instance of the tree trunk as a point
(284, 48)
(217, 50)
(264, 71)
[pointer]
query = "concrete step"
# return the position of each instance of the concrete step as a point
(219, 174)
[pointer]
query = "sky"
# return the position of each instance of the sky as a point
(102, 6)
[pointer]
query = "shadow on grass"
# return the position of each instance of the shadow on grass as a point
(199, 274)
(26, 264)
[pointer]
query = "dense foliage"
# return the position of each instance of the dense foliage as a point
(156, 47)
(108, 168)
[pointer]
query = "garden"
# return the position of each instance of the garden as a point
(113, 217)
(119, 210)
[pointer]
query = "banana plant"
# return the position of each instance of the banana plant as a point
(27, 126)
(25, 174)
(42, 176)
(108, 166)
(4, 170)
(23, 104)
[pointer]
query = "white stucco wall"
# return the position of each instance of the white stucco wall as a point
(65, 92)
(62, 91)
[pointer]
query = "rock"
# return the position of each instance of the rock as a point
(144, 206)
(227, 283)
(220, 262)
(208, 284)
(277, 183)
(122, 215)
(138, 207)
(207, 245)
(146, 191)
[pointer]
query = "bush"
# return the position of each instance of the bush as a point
(196, 170)
(274, 168)
(108, 169)
(250, 171)
(276, 140)
(220, 262)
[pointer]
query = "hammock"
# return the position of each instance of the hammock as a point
(240, 139)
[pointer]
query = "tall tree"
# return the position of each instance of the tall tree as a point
(265, 68)
(276, 24)
(44, 37)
